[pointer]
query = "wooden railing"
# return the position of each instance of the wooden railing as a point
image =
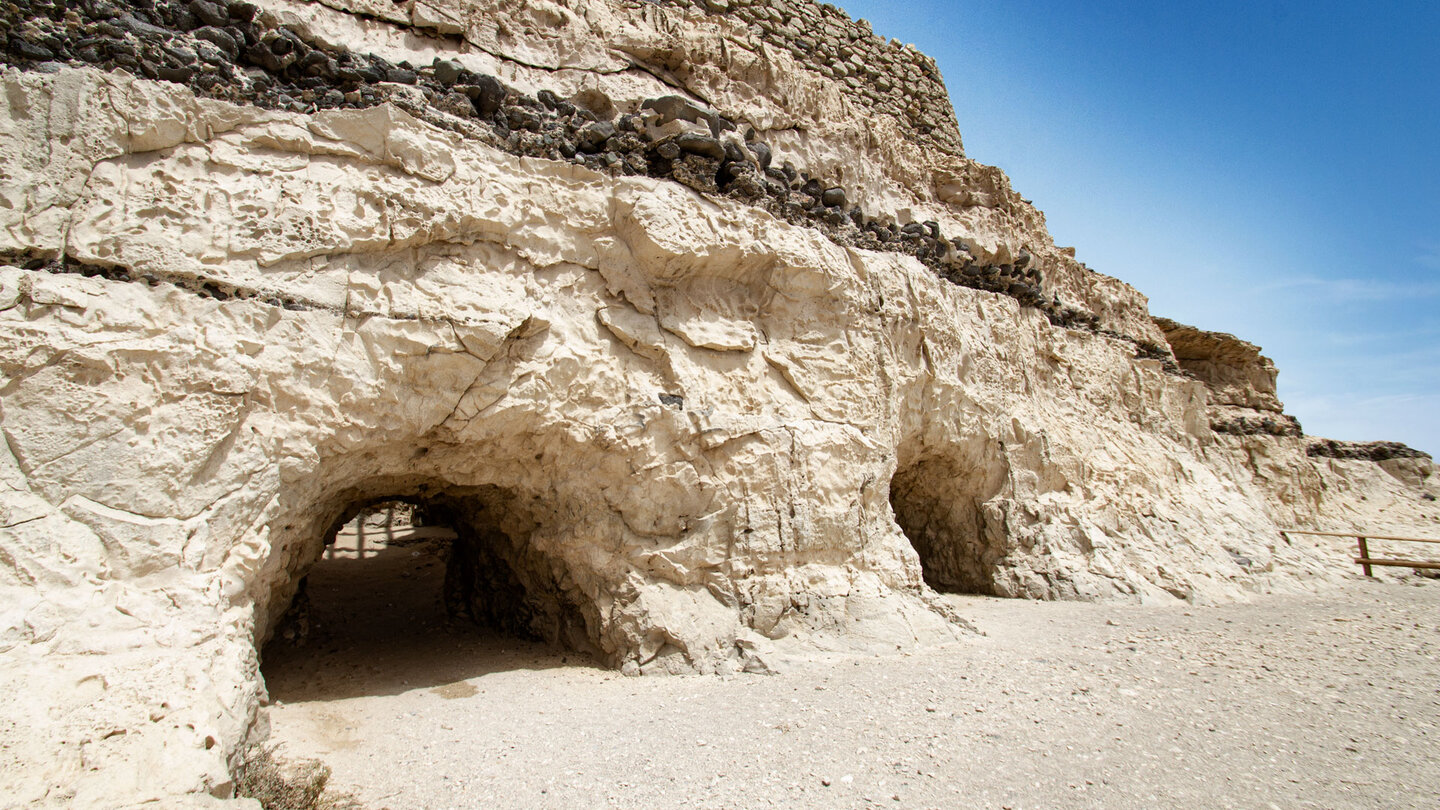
(1365, 560)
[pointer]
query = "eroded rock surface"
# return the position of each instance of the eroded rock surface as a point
(1239, 379)
(702, 354)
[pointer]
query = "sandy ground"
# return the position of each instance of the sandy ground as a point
(1329, 700)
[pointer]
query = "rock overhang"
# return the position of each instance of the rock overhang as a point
(710, 420)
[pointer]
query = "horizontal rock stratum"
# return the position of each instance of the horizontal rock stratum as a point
(694, 318)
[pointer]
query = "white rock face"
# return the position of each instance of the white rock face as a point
(697, 429)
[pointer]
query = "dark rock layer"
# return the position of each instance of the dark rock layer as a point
(1367, 451)
(224, 50)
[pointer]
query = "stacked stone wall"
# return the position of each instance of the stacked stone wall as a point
(880, 75)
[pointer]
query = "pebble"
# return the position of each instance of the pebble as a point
(401, 76)
(592, 137)
(210, 13)
(696, 144)
(489, 95)
(762, 153)
(447, 72)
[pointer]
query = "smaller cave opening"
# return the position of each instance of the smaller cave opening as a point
(938, 506)
(413, 591)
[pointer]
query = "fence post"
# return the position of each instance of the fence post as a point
(1365, 555)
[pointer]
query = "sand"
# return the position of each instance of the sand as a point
(1328, 700)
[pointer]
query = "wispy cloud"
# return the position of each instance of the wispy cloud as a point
(1425, 338)
(1355, 289)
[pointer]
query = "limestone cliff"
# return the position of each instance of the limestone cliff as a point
(695, 313)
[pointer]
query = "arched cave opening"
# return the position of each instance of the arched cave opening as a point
(939, 507)
(417, 587)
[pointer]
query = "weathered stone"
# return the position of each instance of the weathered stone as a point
(29, 50)
(592, 137)
(762, 153)
(693, 423)
(179, 74)
(1369, 451)
(489, 95)
(700, 145)
(401, 76)
(522, 118)
(431, 14)
(221, 39)
(243, 11)
(1232, 369)
(447, 71)
(675, 108)
(209, 12)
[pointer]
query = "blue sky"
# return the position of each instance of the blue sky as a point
(1266, 168)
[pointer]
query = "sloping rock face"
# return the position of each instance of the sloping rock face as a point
(693, 316)
(1239, 379)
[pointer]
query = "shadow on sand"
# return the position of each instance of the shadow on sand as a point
(377, 626)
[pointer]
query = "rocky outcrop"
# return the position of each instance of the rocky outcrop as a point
(289, 58)
(698, 355)
(1239, 380)
(1370, 451)
(1234, 370)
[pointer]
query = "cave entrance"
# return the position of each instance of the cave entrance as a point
(938, 506)
(407, 592)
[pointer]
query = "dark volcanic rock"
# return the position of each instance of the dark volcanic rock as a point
(447, 72)
(210, 13)
(761, 151)
(401, 76)
(1368, 451)
(593, 137)
(489, 96)
(696, 144)
(221, 39)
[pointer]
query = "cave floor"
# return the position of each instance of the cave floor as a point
(1329, 700)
